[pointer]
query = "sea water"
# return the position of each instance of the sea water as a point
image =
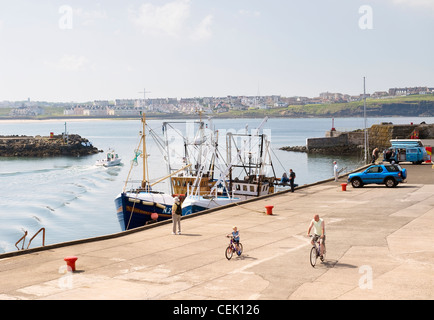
(73, 199)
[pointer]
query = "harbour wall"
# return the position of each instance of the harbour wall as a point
(341, 142)
(379, 136)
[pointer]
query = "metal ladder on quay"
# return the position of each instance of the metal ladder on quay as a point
(23, 239)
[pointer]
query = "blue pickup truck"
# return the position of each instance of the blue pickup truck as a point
(389, 174)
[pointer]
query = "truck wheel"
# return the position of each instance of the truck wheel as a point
(390, 182)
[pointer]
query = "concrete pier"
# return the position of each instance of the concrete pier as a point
(378, 247)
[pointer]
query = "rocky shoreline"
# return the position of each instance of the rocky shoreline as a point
(343, 150)
(295, 149)
(55, 145)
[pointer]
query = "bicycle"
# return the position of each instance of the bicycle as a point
(231, 248)
(315, 252)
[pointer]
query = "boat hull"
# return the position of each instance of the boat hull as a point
(193, 204)
(135, 210)
(111, 163)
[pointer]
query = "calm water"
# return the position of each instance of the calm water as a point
(74, 199)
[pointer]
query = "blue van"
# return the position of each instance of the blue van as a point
(409, 150)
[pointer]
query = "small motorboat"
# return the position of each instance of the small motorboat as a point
(112, 159)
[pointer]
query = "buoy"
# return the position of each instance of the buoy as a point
(154, 216)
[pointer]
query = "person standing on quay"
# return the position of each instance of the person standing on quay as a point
(291, 179)
(375, 153)
(176, 216)
(335, 170)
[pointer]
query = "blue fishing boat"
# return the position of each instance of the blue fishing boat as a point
(140, 206)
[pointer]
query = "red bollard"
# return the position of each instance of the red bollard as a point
(269, 209)
(70, 262)
(344, 186)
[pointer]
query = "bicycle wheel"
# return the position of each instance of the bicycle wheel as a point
(240, 249)
(228, 253)
(313, 256)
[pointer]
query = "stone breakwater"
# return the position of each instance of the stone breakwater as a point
(350, 143)
(56, 145)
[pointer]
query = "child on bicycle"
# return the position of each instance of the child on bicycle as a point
(236, 237)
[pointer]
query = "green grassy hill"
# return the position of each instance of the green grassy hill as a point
(420, 105)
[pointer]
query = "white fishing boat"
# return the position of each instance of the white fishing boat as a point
(199, 198)
(111, 159)
(197, 203)
(191, 154)
(253, 178)
(244, 176)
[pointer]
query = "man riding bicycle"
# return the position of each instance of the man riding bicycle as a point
(319, 232)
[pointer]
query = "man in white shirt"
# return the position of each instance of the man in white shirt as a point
(335, 170)
(319, 231)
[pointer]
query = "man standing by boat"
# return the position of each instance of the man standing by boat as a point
(176, 215)
(291, 179)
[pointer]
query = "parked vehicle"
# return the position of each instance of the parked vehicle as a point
(389, 174)
(411, 150)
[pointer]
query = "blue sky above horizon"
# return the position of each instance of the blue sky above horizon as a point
(194, 48)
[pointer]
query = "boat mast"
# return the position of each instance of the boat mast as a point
(145, 183)
(201, 135)
(215, 155)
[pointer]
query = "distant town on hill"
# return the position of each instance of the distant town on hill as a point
(395, 101)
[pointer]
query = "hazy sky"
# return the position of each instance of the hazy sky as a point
(76, 50)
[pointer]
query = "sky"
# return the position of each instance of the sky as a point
(76, 50)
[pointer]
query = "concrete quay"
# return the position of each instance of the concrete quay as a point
(379, 246)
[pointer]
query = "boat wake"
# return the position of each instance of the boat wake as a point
(59, 198)
(30, 172)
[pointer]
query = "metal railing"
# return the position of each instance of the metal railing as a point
(23, 239)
